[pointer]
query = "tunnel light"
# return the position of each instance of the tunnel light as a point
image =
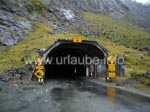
(91, 74)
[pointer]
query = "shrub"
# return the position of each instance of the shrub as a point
(135, 74)
(35, 5)
(146, 81)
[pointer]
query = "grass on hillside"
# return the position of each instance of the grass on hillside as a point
(11, 57)
(126, 35)
(122, 32)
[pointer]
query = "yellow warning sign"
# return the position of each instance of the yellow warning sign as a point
(111, 59)
(39, 67)
(77, 39)
(111, 67)
(111, 74)
(39, 74)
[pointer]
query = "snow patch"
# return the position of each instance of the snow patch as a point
(68, 14)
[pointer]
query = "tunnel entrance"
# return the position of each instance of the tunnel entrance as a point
(68, 71)
(68, 59)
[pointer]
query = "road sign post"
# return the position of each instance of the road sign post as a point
(39, 70)
(111, 70)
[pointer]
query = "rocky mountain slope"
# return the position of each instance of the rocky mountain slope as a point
(127, 10)
(26, 26)
(18, 17)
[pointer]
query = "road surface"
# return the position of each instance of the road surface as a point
(69, 95)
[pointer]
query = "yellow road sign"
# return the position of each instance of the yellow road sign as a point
(111, 59)
(39, 67)
(111, 67)
(77, 39)
(111, 74)
(39, 74)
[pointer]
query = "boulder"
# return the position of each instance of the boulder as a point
(147, 49)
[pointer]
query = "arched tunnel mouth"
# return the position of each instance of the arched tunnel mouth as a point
(66, 59)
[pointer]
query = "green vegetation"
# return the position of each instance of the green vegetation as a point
(142, 88)
(3, 2)
(135, 74)
(12, 57)
(121, 32)
(40, 31)
(35, 5)
(146, 81)
(124, 37)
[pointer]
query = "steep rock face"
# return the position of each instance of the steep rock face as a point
(127, 10)
(17, 17)
(137, 13)
(12, 28)
(109, 7)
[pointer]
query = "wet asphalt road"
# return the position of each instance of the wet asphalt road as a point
(68, 95)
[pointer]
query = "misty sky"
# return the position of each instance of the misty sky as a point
(143, 1)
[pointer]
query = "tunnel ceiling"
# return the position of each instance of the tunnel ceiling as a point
(68, 47)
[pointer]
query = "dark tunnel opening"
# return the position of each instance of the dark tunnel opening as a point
(65, 71)
(67, 59)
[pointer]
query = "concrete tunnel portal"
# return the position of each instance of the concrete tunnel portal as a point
(65, 58)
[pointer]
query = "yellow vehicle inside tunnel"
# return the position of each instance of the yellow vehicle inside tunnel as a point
(72, 58)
